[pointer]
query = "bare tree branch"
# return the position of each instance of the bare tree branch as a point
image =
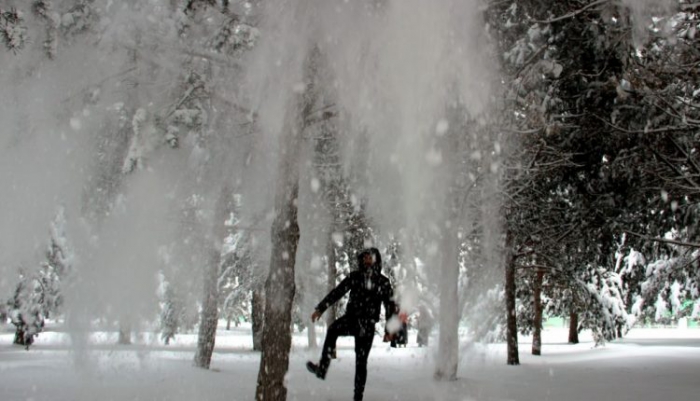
(573, 13)
(665, 240)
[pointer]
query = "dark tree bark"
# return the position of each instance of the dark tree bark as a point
(280, 285)
(332, 274)
(537, 324)
(210, 314)
(573, 327)
(210, 311)
(21, 338)
(258, 314)
(512, 324)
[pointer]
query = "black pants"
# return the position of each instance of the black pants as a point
(363, 331)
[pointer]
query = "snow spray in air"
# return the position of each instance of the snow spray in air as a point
(412, 82)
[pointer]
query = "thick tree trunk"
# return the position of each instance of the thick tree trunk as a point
(512, 324)
(332, 274)
(280, 285)
(210, 303)
(573, 327)
(258, 314)
(537, 324)
(210, 314)
(448, 342)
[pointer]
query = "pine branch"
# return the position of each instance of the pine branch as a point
(665, 240)
(675, 168)
(685, 154)
(211, 56)
(573, 13)
(644, 131)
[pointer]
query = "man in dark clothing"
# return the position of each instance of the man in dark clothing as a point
(368, 290)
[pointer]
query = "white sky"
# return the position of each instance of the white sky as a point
(649, 365)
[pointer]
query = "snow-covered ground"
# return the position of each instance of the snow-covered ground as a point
(650, 364)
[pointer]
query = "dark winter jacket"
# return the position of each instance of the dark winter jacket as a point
(368, 290)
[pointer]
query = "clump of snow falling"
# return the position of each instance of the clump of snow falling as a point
(75, 123)
(396, 67)
(434, 157)
(646, 14)
(315, 185)
(442, 127)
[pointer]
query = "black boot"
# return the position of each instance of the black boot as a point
(316, 370)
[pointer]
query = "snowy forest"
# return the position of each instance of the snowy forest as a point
(168, 165)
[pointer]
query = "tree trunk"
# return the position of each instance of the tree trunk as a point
(210, 303)
(448, 342)
(512, 325)
(258, 313)
(537, 333)
(209, 316)
(332, 274)
(280, 285)
(228, 322)
(573, 327)
(124, 332)
(21, 338)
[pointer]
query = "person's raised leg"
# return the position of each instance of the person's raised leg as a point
(340, 327)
